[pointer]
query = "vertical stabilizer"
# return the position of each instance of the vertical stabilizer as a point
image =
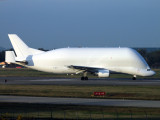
(21, 49)
(19, 46)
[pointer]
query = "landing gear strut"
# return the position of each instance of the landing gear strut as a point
(84, 77)
(134, 77)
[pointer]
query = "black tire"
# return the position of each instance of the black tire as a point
(82, 78)
(86, 78)
(134, 78)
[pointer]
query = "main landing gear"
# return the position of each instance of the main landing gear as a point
(84, 77)
(134, 77)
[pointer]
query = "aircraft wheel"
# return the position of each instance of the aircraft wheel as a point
(134, 78)
(86, 78)
(82, 78)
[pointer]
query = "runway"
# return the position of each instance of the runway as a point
(80, 101)
(75, 81)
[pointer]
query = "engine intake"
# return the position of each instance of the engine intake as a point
(103, 73)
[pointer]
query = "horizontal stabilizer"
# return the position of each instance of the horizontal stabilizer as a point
(9, 57)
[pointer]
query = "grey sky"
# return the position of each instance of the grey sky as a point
(90, 23)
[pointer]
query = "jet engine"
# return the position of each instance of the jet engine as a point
(103, 73)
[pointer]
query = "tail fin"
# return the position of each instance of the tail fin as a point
(21, 49)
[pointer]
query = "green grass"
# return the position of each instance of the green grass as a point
(120, 92)
(75, 112)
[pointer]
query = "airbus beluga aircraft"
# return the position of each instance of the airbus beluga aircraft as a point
(97, 61)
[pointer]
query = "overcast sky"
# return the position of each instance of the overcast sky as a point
(89, 23)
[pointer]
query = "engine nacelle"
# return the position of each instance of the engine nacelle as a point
(103, 73)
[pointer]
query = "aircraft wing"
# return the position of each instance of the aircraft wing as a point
(85, 69)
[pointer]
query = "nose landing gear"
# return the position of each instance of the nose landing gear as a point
(134, 77)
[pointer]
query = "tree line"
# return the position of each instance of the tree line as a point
(152, 58)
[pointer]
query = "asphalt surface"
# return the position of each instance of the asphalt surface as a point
(75, 81)
(80, 101)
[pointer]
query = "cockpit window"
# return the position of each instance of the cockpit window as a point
(148, 69)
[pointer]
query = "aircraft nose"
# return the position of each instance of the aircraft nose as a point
(152, 72)
(147, 72)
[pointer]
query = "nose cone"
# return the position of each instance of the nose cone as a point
(147, 72)
(151, 73)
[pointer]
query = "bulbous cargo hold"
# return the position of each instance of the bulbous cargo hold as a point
(99, 61)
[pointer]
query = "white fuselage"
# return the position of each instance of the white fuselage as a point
(123, 60)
